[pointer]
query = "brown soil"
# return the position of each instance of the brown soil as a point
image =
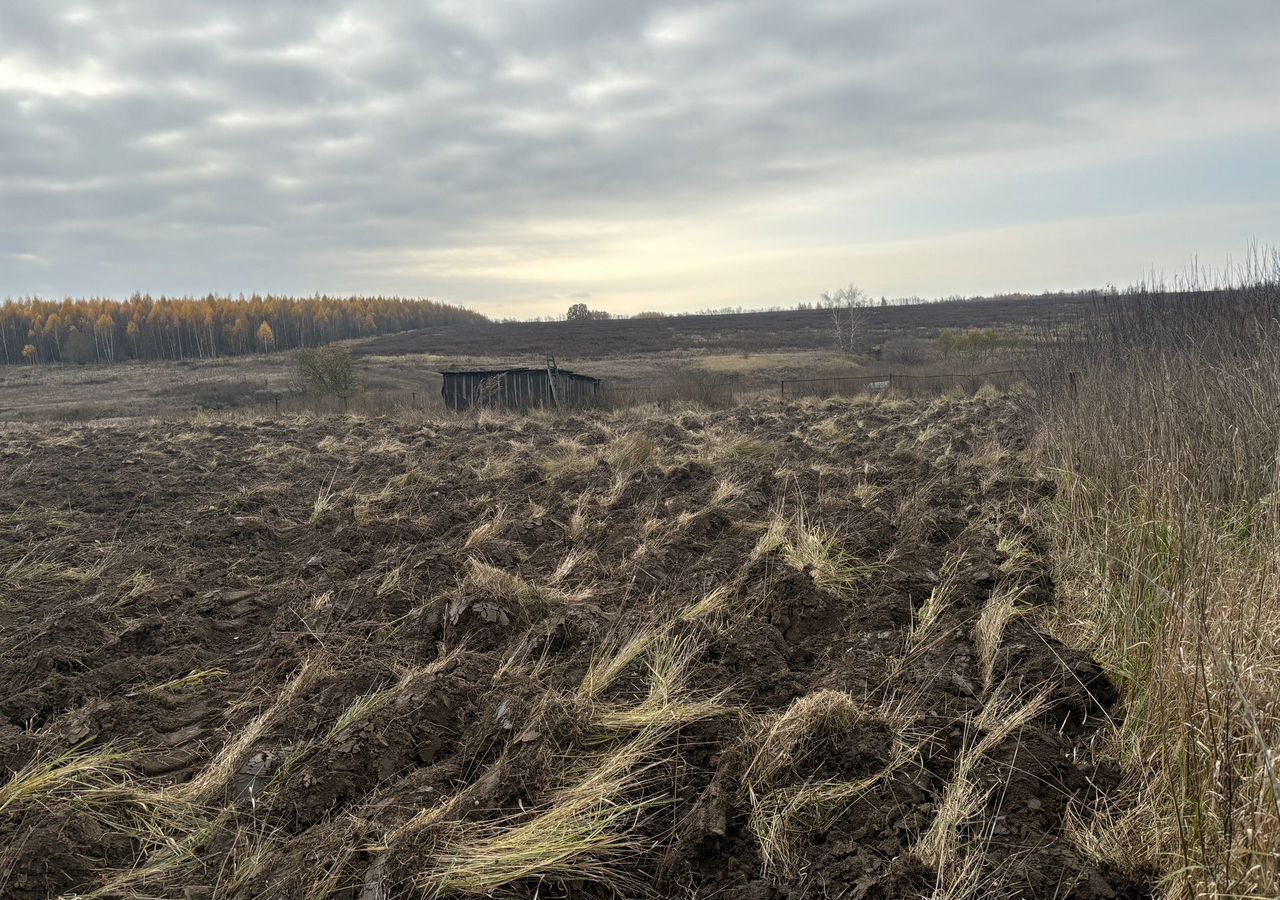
(301, 565)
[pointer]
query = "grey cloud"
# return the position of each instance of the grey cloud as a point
(258, 142)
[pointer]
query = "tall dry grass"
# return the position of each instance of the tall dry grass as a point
(1167, 539)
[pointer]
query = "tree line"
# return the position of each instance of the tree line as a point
(146, 327)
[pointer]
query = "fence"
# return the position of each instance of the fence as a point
(707, 389)
(901, 384)
(713, 391)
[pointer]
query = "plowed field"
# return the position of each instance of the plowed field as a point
(766, 652)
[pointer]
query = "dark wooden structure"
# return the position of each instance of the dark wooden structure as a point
(520, 388)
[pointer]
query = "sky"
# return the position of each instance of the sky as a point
(518, 156)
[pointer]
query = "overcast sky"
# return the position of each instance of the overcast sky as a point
(517, 156)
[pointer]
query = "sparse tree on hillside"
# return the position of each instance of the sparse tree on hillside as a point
(846, 306)
(580, 312)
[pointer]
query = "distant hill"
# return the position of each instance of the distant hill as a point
(721, 333)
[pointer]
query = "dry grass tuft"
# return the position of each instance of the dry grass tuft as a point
(955, 858)
(568, 458)
(925, 620)
(196, 677)
(774, 536)
(719, 601)
(668, 702)
(325, 500)
(367, 704)
(74, 776)
(488, 579)
(798, 732)
(570, 563)
(1000, 609)
(215, 778)
(609, 663)
(630, 454)
(817, 551)
(783, 814)
(584, 832)
(727, 490)
(1165, 532)
(486, 533)
(783, 818)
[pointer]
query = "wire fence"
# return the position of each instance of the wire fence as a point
(712, 391)
(902, 384)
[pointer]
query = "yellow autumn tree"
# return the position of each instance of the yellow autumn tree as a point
(266, 337)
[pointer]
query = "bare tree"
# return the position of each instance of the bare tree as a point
(847, 306)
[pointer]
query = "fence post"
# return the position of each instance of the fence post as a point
(277, 399)
(782, 386)
(414, 396)
(1071, 381)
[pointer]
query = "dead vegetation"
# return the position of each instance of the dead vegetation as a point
(1165, 533)
(684, 652)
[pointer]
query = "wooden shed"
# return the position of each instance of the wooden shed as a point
(518, 388)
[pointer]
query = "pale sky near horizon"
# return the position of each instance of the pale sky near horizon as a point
(520, 156)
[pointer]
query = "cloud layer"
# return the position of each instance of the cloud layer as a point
(511, 154)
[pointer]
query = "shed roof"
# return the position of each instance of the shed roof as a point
(514, 370)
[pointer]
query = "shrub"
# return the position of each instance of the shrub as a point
(328, 371)
(905, 351)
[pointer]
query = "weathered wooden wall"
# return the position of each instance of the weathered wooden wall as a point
(516, 389)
